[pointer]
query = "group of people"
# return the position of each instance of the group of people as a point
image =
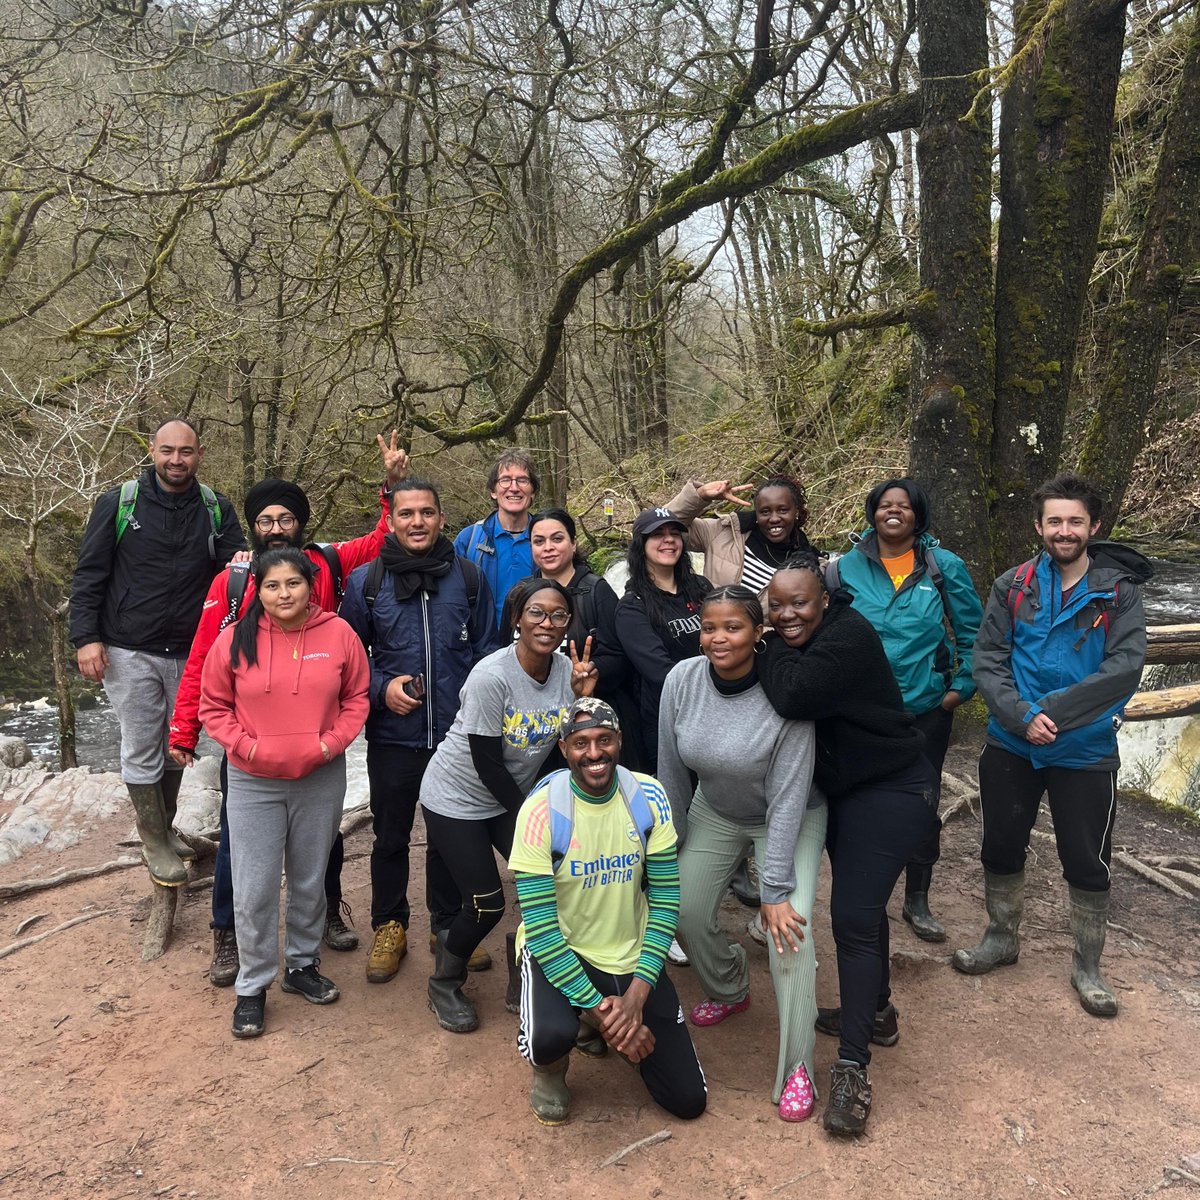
(629, 757)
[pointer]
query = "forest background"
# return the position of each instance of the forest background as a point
(648, 240)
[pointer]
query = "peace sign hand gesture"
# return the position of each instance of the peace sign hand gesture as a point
(583, 671)
(719, 489)
(395, 460)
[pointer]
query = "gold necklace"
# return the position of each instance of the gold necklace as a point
(294, 645)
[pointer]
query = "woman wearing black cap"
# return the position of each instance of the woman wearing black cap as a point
(925, 609)
(658, 618)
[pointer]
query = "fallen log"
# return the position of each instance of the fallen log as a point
(1172, 643)
(1179, 701)
(25, 886)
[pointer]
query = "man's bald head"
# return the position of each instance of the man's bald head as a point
(176, 452)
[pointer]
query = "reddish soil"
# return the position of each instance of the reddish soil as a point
(123, 1080)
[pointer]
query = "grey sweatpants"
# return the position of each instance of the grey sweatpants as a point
(714, 849)
(276, 824)
(141, 688)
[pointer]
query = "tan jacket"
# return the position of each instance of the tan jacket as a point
(720, 539)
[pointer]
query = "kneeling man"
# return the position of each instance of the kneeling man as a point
(598, 884)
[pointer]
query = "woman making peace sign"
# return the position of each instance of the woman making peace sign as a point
(510, 709)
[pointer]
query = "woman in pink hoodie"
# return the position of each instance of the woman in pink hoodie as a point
(284, 691)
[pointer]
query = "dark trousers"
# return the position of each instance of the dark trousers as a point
(936, 725)
(222, 893)
(1083, 805)
(873, 832)
(395, 774)
(550, 1023)
(466, 852)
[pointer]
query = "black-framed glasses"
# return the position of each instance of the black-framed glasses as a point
(559, 618)
(286, 522)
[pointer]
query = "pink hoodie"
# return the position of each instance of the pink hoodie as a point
(326, 667)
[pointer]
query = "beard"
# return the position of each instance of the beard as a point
(1066, 553)
(275, 540)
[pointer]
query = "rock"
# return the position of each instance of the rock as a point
(14, 752)
(41, 808)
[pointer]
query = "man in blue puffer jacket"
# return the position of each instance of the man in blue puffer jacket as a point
(1059, 654)
(920, 599)
(426, 617)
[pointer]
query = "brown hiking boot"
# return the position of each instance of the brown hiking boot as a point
(337, 936)
(389, 947)
(223, 969)
(849, 1099)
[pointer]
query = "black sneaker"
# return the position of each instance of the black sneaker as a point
(886, 1031)
(311, 984)
(249, 1015)
(849, 1100)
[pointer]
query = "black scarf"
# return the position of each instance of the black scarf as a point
(411, 575)
(766, 550)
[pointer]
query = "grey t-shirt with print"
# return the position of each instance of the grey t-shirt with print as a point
(499, 699)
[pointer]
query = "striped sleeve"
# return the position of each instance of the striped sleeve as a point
(544, 937)
(662, 900)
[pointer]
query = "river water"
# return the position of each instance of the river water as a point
(1172, 597)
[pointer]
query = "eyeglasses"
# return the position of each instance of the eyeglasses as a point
(286, 522)
(507, 481)
(559, 618)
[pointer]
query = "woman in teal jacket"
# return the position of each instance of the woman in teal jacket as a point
(921, 601)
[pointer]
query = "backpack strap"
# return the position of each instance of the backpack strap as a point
(470, 570)
(236, 583)
(562, 812)
(125, 503)
(334, 565)
(1019, 586)
(478, 540)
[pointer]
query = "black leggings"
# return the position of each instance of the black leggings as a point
(1083, 805)
(936, 725)
(466, 851)
(873, 832)
(550, 1024)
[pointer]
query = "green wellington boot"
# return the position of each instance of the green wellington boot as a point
(549, 1098)
(163, 863)
(1089, 924)
(1000, 946)
(170, 784)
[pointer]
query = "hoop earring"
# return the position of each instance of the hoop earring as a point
(760, 646)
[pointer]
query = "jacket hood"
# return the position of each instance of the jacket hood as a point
(1124, 559)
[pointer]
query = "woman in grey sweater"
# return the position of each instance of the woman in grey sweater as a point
(755, 773)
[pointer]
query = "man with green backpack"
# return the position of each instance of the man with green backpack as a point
(150, 550)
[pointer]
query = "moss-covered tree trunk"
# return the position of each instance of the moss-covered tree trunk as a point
(952, 374)
(1133, 333)
(1056, 120)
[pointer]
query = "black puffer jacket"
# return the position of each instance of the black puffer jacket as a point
(146, 591)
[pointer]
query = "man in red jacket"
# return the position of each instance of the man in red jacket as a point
(276, 513)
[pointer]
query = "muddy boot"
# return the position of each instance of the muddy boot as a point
(223, 970)
(452, 1009)
(163, 863)
(512, 993)
(744, 884)
(589, 1040)
(549, 1098)
(170, 784)
(1089, 924)
(924, 924)
(1005, 899)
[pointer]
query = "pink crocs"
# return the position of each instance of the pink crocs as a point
(796, 1103)
(713, 1012)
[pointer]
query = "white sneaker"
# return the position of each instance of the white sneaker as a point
(676, 955)
(756, 931)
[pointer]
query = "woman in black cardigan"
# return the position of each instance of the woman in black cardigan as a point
(826, 664)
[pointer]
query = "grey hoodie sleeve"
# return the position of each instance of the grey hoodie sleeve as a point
(671, 772)
(993, 661)
(1118, 675)
(788, 783)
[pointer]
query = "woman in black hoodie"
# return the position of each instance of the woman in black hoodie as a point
(825, 663)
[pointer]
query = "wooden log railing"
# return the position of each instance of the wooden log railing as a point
(1168, 644)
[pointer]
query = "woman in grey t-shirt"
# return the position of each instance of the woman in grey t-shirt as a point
(510, 709)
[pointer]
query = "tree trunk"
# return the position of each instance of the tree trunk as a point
(62, 688)
(952, 377)
(1056, 122)
(1133, 333)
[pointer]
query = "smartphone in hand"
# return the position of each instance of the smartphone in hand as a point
(415, 687)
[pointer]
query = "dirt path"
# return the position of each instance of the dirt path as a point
(122, 1079)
